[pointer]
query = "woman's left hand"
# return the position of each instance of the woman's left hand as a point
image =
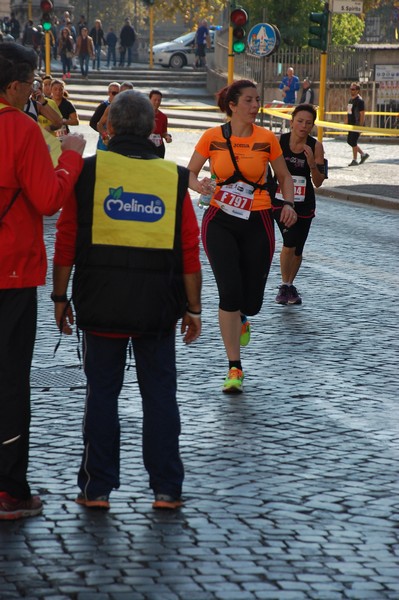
(288, 215)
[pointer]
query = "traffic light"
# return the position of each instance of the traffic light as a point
(238, 20)
(47, 8)
(320, 30)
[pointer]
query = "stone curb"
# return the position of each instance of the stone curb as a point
(344, 194)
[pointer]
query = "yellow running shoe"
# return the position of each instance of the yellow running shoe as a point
(245, 333)
(233, 382)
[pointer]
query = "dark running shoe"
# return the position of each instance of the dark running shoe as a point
(353, 163)
(13, 508)
(99, 502)
(293, 295)
(364, 157)
(283, 295)
(165, 501)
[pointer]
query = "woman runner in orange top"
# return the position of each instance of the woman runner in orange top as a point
(237, 228)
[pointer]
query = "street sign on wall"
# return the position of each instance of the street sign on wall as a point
(354, 7)
(263, 39)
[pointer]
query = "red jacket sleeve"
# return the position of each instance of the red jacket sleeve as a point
(190, 238)
(65, 239)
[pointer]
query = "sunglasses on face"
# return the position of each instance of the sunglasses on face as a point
(113, 93)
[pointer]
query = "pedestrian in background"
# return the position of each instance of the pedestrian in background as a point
(355, 116)
(307, 96)
(160, 131)
(67, 109)
(289, 86)
(28, 36)
(82, 23)
(97, 34)
(238, 228)
(113, 90)
(30, 189)
(102, 124)
(65, 50)
(127, 40)
(202, 42)
(84, 51)
(304, 157)
(111, 41)
(157, 273)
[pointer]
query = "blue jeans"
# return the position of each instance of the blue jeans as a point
(111, 55)
(66, 64)
(97, 57)
(104, 364)
(123, 54)
(84, 64)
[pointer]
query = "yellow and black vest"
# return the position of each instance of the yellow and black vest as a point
(128, 269)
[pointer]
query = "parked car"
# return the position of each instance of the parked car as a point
(180, 52)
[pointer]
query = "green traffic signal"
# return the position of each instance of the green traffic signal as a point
(320, 30)
(238, 19)
(46, 25)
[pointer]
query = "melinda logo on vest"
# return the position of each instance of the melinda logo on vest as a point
(128, 206)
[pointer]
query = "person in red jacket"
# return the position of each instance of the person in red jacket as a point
(30, 188)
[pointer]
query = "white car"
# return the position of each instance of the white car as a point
(180, 52)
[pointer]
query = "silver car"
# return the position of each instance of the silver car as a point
(180, 52)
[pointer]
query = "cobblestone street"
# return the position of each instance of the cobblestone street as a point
(292, 489)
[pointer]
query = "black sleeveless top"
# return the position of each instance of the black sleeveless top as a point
(298, 165)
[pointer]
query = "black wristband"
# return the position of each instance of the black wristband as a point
(56, 298)
(287, 203)
(193, 312)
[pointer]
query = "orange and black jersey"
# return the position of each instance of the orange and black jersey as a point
(252, 153)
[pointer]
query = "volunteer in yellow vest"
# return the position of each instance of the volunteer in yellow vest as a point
(133, 236)
(237, 228)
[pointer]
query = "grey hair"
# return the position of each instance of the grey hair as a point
(127, 84)
(132, 113)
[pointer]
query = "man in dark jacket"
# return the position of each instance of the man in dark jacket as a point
(127, 39)
(132, 235)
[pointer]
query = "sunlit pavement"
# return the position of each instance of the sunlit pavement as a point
(291, 488)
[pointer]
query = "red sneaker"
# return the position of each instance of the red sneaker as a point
(14, 508)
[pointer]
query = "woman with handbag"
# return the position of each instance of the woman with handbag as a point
(65, 50)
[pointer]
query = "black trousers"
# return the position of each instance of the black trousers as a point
(18, 317)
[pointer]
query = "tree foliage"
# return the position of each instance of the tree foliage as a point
(114, 13)
(292, 19)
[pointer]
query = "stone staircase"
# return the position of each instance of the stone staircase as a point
(186, 99)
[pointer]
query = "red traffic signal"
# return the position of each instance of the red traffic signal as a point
(46, 6)
(238, 19)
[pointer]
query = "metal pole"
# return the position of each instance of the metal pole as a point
(230, 59)
(151, 35)
(47, 48)
(322, 96)
(262, 92)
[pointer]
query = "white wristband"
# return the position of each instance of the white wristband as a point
(193, 315)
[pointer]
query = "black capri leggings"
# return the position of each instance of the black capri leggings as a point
(295, 236)
(240, 253)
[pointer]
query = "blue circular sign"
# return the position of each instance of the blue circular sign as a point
(262, 40)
